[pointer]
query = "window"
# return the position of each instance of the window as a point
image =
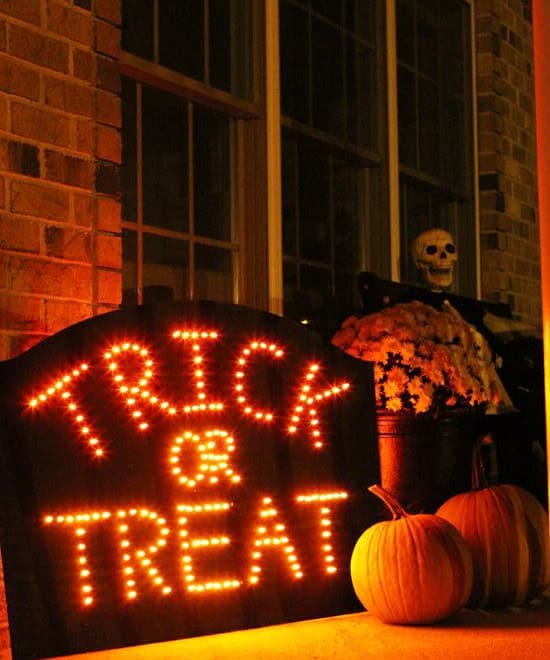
(330, 77)
(357, 183)
(435, 128)
(184, 100)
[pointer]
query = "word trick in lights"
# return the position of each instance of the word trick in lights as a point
(180, 470)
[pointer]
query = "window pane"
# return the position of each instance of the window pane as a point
(316, 287)
(181, 36)
(428, 46)
(328, 78)
(229, 45)
(213, 274)
(212, 180)
(361, 94)
(290, 197)
(331, 9)
(314, 196)
(347, 198)
(405, 31)
(129, 151)
(361, 18)
(137, 27)
(129, 267)
(165, 163)
(406, 95)
(428, 117)
(294, 62)
(165, 269)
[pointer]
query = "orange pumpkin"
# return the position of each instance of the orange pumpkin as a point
(506, 529)
(412, 569)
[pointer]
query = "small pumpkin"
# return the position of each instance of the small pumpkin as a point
(412, 569)
(506, 529)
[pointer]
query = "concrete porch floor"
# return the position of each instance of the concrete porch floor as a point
(511, 634)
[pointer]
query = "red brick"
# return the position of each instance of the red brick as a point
(83, 283)
(109, 144)
(4, 267)
(84, 137)
(40, 201)
(38, 49)
(19, 234)
(41, 277)
(18, 79)
(19, 313)
(83, 65)
(5, 645)
(68, 169)
(107, 39)
(109, 286)
(108, 214)
(108, 75)
(70, 23)
(71, 244)
(83, 210)
(21, 342)
(24, 10)
(40, 124)
(61, 314)
(76, 99)
(110, 10)
(108, 251)
(108, 110)
(4, 113)
(2, 193)
(3, 39)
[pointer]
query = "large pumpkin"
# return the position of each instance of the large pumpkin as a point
(507, 531)
(412, 569)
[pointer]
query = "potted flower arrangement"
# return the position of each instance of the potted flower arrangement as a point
(434, 376)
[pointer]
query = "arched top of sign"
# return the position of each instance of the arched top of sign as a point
(201, 465)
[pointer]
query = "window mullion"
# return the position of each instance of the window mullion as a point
(191, 200)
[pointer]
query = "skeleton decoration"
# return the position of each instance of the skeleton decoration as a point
(435, 254)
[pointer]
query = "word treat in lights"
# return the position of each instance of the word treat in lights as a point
(180, 470)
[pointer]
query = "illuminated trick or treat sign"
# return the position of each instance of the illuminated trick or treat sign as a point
(180, 470)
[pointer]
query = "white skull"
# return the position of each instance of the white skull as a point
(435, 254)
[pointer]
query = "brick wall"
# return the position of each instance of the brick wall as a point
(60, 152)
(507, 156)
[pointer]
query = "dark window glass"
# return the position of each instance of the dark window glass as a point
(327, 78)
(361, 94)
(429, 129)
(212, 183)
(137, 27)
(289, 160)
(314, 196)
(220, 44)
(213, 274)
(428, 48)
(294, 62)
(331, 9)
(405, 31)
(165, 161)
(316, 287)
(406, 98)
(129, 267)
(181, 36)
(361, 18)
(346, 235)
(129, 151)
(165, 268)
(230, 46)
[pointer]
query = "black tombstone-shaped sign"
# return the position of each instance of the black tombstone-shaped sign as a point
(180, 470)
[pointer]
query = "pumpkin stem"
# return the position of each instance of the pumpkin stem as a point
(481, 477)
(393, 505)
